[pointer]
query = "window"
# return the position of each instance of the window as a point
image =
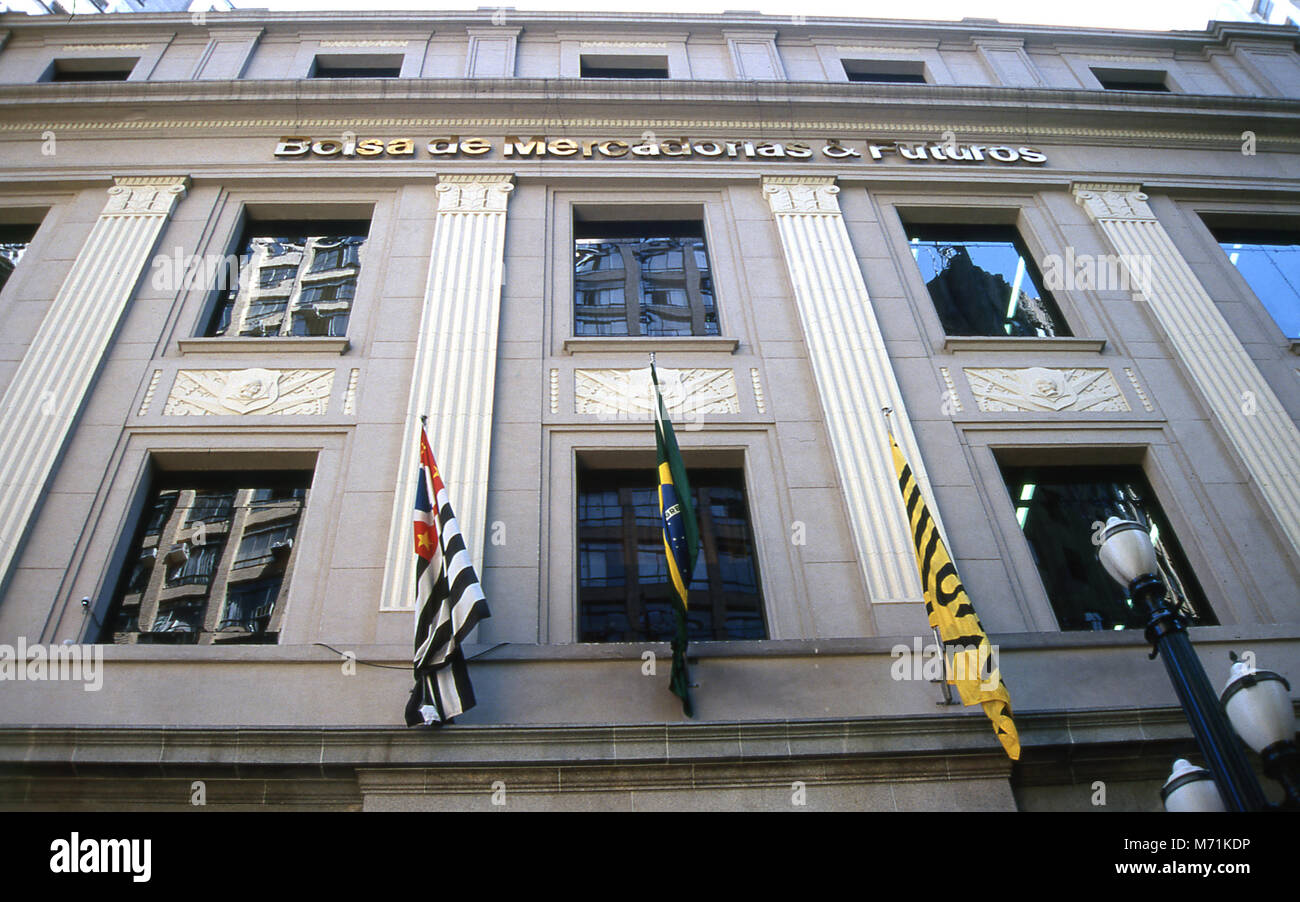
(14, 239)
(897, 71)
(111, 69)
(622, 66)
(642, 278)
(183, 584)
(262, 546)
(357, 65)
(624, 592)
(1059, 509)
(194, 564)
(296, 278)
(1269, 261)
(983, 282)
(249, 605)
(1132, 79)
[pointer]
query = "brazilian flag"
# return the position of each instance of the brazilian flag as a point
(681, 537)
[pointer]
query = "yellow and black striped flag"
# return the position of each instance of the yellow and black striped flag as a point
(973, 668)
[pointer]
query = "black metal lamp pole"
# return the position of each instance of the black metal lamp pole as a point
(1223, 750)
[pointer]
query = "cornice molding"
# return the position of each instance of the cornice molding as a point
(685, 90)
(379, 746)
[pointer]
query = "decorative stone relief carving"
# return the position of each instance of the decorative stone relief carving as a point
(350, 395)
(149, 392)
(252, 391)
(1137, 387)
(1039, 389)
(1113, 201)
(802, 195)
(629, 394)
(473, 193)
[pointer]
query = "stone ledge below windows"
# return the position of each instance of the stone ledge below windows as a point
(269, 346)
(639, 343)
(955, 344)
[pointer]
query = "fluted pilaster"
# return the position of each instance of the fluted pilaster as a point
(854, 380)
(1251, 416)
(41, 403)
(455, 369)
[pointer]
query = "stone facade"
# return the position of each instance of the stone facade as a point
(474, 165)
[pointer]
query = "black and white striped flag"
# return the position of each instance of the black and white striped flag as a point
(450, 602)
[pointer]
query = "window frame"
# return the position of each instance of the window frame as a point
(1129, 76)
(632, 543)
(638, 279)
(1140, 617)
(882, 66)
(1021, 245)
(1248, 290)
(189, 334)
(724, 267)
(222, 545)
(1147, 447)
(1039, 233)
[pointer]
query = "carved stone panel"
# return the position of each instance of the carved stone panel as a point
(473, 193)
(629, 394)
(1039, 389)
(801, 195)
(255, 391)
(1103, 201)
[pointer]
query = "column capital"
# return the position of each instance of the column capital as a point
(1104, 200)
(145, 194)
(793, 194)
(482, 193)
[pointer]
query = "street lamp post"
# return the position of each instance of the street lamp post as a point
(1128, 556)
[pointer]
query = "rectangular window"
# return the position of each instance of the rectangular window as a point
(295, 278)
(1060, 509)
(622, 66)
(661, 267)
(888, 71)
(249, 606)
(262, 546)
(204, 558)
(983, 282)
(110, 69)
(14, 238)
(357, 65)
(1132, 79)
(624, 591)
(1269, 260)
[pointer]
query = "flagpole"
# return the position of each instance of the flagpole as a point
(938, 641)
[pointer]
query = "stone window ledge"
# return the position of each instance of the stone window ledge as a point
(955, 344)
(269, 346)
(636, 343)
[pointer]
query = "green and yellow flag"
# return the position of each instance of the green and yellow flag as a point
(681, 536)
(972, 668)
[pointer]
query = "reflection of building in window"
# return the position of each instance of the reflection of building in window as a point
(1269, 260)
(211, 560)
(663, 265)
(1059, 509)
(624, 592)
(300, 278)
(14, 239)
(983, 282)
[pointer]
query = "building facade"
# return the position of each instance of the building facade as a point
(246, 252)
